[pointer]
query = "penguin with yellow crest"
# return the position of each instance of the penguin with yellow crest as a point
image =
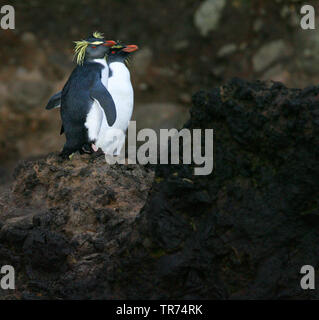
(84, 100)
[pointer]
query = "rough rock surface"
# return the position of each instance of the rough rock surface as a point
(242, 232)
(62, 222)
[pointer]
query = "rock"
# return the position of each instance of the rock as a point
(82, 229)
(181, 45)
(269, 53)
(218, 70)
(185, 98)
(276, 73)
(208, 14)
(61, 236)
(226, 50)
(222, 248)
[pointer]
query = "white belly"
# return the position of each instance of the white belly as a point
(95, 117)
(111, 139)
(94, 120)
(121, 90)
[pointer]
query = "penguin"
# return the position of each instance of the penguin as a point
(84, 100)
(112, 137)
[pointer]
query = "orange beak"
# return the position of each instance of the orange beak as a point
(130, 48)
(109, 43)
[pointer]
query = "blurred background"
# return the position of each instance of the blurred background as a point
(185, 46)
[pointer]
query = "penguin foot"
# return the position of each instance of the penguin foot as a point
(66, 155)
(86, 148)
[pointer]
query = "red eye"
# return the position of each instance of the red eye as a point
(93, 47)
(113, 52)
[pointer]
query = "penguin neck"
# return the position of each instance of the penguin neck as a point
(101, 61)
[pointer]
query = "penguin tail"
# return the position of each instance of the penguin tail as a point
(54, 102)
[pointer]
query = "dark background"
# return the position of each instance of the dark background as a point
(185, 46)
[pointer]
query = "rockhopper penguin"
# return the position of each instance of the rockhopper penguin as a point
(112, 137)
(85, 100)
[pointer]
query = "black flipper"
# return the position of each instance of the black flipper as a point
(102, 95)
(55, 101)
(62, 130)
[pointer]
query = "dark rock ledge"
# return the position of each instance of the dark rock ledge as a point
(83, 229)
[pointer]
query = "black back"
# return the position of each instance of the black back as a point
(75, 96)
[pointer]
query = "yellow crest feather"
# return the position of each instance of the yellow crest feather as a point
(98, 35)
(79, 51)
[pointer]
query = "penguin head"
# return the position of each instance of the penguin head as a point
(94, 47)
(98, 49)
(121, 52)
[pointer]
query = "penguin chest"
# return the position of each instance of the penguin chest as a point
(124, 107)
(96, 118)
(121, 90)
